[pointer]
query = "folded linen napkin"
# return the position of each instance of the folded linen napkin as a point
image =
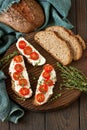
(56, 12)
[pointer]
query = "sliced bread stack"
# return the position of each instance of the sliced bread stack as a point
(61, 43)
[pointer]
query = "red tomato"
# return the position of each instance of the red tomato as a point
(48, 67)
(27, 50)
(18, 58)
(43, 88)
(34, 56)
(24, 91)
(22, 44)
(16, 75)
(46, 75)
(23, 82)
(40, 97)
(18, 67)
(49, 82)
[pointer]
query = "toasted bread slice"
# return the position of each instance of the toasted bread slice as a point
(54, 45)
(81, 40)
(32, 55)
(19, 77)
(68, 35)
(44, 88)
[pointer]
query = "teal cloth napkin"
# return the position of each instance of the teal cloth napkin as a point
(8, 109)
(56, 12)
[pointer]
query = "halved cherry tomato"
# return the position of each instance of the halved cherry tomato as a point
(27, 50)
(22, 44)
(24, 91)
(40, 97)
(43, 88)
(46, 75)
(49, 82)
(16, 75)
(34, 56)
(23, 82)
(18, 67)
(18, 58)
(48, 67)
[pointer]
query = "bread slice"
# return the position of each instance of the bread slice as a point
(68, 36)
(81, 40)
(53, 44)
(18, 77)
(44, 88)
(40, 60)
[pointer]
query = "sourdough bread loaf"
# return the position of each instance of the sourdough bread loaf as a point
(56, 46)
(68, 36)
(25, 16)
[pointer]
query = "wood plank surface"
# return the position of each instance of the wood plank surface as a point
(30, 121)
(82, 30)
(4, 125)
(73, 117)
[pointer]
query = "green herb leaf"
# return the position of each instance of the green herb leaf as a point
(73, 78)
(5, 60)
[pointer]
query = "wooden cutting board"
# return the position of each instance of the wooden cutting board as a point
(67, 96)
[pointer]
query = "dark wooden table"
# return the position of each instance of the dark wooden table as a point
(73, 117)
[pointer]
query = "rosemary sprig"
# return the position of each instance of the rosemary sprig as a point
(73, 78)
(6, 59)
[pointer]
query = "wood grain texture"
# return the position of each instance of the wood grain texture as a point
(31, 121)
(66, 119)
(4, 125)
(82, 29)
(68, 96)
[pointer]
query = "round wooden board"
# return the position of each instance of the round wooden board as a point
(67, 96)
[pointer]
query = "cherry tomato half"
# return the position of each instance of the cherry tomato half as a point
(23, 82)
(24, 91)
(34, 56)
(18, 58)
(49, 82)
(43, 88)
(46, 75)
(48, 67)
(16, 75)
(40, 97)
(22, 44)
(18, 67)
(27, 50)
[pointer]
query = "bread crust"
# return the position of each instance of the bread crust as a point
(52, 47)
(25, 16)
(81, 40)
(69, 36)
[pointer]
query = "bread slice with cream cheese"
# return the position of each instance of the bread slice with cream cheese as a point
(19, 77)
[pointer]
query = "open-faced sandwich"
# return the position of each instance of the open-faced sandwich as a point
(19, 77)
(45, 85)
(27, 50)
